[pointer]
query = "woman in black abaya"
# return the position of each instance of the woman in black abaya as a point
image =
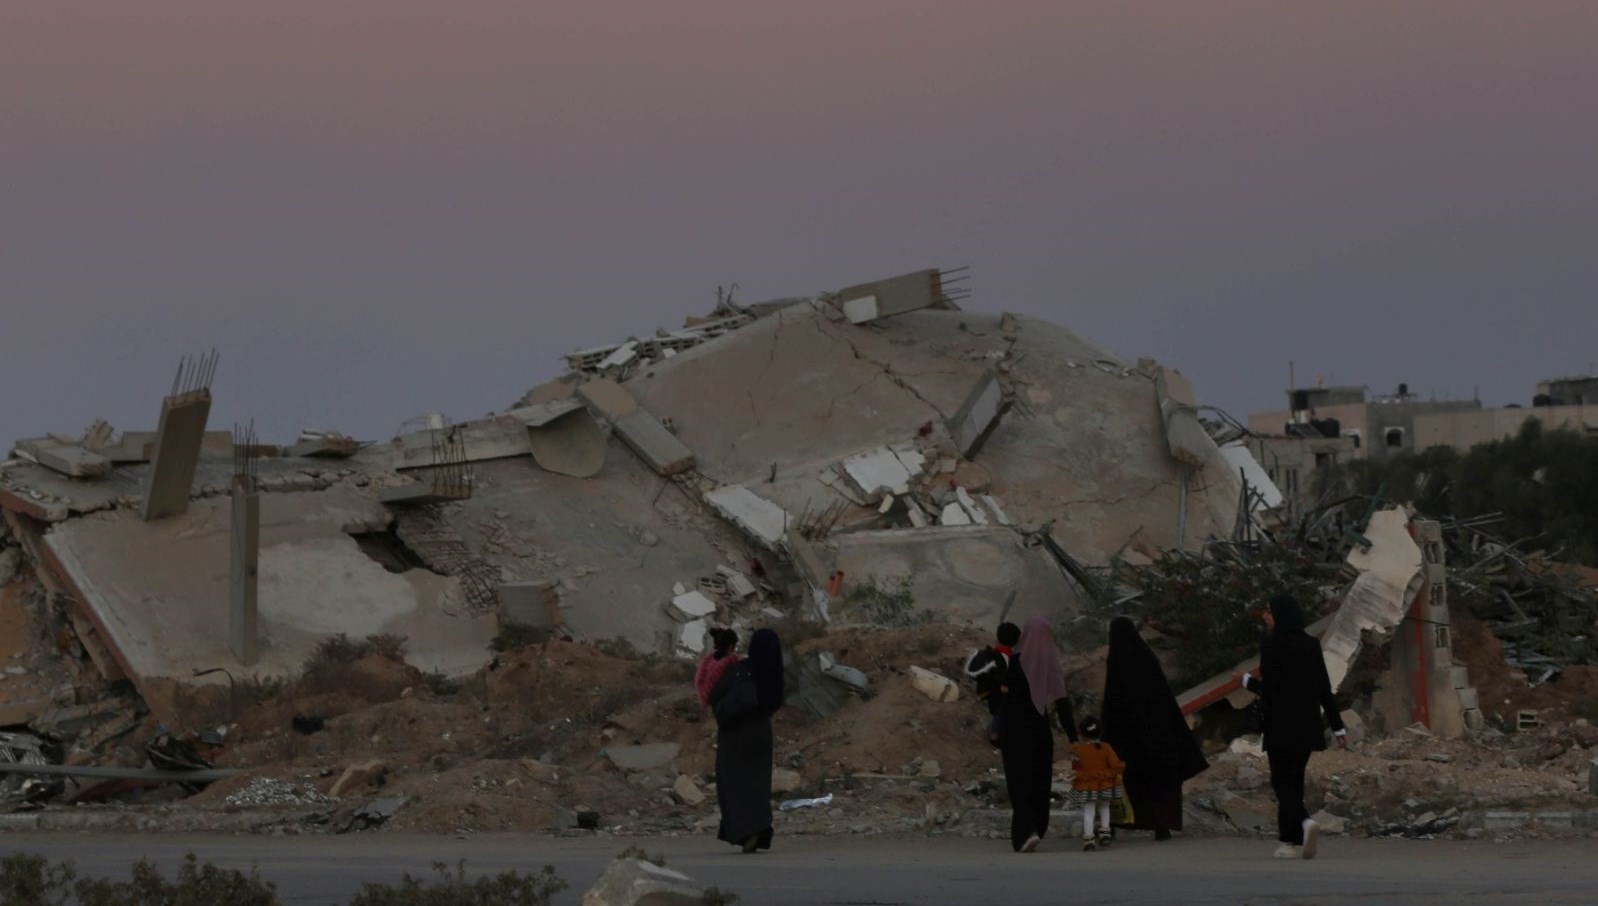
(743, 702)
(1144, 725)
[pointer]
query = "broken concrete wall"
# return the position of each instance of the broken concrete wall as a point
(158, 591)
(959, 574)
(1389, 577)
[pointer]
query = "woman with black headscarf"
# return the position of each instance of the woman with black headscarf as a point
(1294, 691)
(1144, 725)
(743, 702)
(1033, 690)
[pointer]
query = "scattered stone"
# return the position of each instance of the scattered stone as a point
(930, 768)
(1249, 745)
(1249, 778)
(785, 780)
(265, 791)
(647, 757)
(935, 686)
(849, 676)
(359, 776)
(1354, 725)
(1329, 822)
(687, 791)
(377, 811)
(1439, 757)
(636, 882)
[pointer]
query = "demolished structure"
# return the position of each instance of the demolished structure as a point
(775, 457)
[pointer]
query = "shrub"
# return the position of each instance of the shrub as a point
(454, 889)
(439, 684)
(888, 602)
(34, 880)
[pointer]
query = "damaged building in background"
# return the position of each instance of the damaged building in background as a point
(764, 462)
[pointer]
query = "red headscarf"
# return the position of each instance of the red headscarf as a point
(1040, 661)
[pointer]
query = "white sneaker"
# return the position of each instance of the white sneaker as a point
(1287, 851)
(1031, 844)
(1312, 833)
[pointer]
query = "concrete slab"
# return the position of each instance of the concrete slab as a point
(960, 573)
(865, 302)
(423, 493)
(885, 470)
(608, 398)
(1239, 460)
(155, 589)
(613, 546)
(569, 442)
(179, 436)
(1389, 577)
(68, 459)
(977, 413)
(499, 437)
(661, 449)
(763, 521)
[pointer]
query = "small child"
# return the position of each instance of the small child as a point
(1095, 783)
(715, 662)
(988, 666)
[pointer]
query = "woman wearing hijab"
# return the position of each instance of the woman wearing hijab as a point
(1033, 689)
(1294, 691)
(1144, 725)
(749, 692)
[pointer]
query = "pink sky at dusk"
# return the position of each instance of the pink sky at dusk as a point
(376, 209)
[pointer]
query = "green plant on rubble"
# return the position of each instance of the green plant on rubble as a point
(885, 602)
(715, 896)
(453, 888)
(439, 684)
(1207, 609)
(31, 878)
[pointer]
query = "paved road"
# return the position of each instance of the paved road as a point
(871, 871)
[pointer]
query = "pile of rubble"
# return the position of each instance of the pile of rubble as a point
(519, 598)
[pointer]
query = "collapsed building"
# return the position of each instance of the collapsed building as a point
(763, 463)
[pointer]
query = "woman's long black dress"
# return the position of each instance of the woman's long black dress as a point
(1141, 720)
(743, 768)
(1027, 744)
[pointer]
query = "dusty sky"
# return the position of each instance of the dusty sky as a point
(379, 209)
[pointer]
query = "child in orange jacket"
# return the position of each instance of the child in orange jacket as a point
(1095, 783)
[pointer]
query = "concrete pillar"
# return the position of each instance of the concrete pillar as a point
(246, 548)
(176, 454)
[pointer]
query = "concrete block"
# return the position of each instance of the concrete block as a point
(954, 514)
(659, 448)
(981, 407)
(760, 519)
(862, 309)
(68, 459)
(847, 675)
(935, 686)
(867, 302)
(687, 791)
(636, 882)
(1475, 719)
(1355, 725)
(177, 453)
(686, 608)
(884, 471)
(534, 604)
(738, 584)
(1468, 699)
(358, 777)
(691, 638)
(647, 757)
